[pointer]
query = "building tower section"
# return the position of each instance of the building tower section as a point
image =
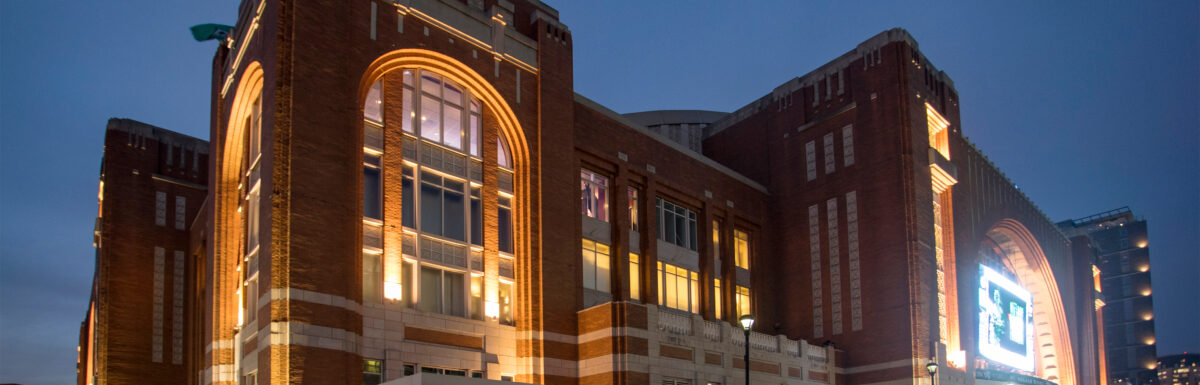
(1122, 244)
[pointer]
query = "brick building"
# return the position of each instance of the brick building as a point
(411, 191)
(152, 183)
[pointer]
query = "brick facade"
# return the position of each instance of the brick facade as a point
(828, 177)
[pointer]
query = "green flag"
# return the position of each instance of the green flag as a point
(204, 32)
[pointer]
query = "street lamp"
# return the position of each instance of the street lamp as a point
(932, 368)
(747, 321)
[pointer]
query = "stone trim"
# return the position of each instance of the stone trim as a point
(300, 334)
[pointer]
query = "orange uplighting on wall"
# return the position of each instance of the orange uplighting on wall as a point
(393, 290)
(957, 359)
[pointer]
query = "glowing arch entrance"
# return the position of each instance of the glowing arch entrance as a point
(1021, 254)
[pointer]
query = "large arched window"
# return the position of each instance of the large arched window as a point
(440, 267)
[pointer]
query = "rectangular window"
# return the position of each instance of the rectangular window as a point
(676, 225)
(408, 214)
(372, 372)
(160, 208)
(847, 145)
(506, 305)
(442, 208)
(441, 292)
(595, 266)
(477, 297)
(678, 288)
(250, 378)
(829, 156)
(594, 190)
(743, 300)
(741, 249)
(635, 282)
(810, 159)
(476, 217)
(506, 224)
(372, 187)
(372, 271)
(633, 209)
(180, 211)
(252, 218)
(251, 299)
(717, 298)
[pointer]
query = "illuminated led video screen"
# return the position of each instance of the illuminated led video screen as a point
(1005, 321)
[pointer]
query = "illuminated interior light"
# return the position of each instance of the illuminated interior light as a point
(1149, 341)
(1147, 317)
(957, 359)
(1145, 292)
(1142, 244)
(392, 290)
(491, 309)
(1144, 268)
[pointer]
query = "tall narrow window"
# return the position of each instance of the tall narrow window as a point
(717, 298)
(633, 209)
(441, 291)
(741, 249)
(477, 297)
(594, 190)
(372, 372)
(635, 282)
(595, 266)
(678, 288)
(506, 306)
(505, 225)
(372, 187)
(743, 300)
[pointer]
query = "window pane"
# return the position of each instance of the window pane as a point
(635, 289)
(602, 275)
(589, 267)
(406, 283)
(455, 214)
(475, 135)
(506, 303)
(692, 234)
(452, 127)
(452, 298)
(506, 231)
(476, 219)
(669, 227)
(431, 290)
(452, 94)
(372, 199)
(372, 107)
(671, 294)
(408, 212)
(431, 209)
(477, 297)
(502, 153)
(431, 83)
(407, 115)
(371, 273)
(431, 119)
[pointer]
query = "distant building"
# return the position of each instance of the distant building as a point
(1122, 244)
(152, 184)
(1179, 369)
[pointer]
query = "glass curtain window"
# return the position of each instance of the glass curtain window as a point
(506, 224)
(595, 266)
(442, 207)
(741, 249)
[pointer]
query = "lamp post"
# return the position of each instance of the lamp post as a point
(747, 321)
(932, 368)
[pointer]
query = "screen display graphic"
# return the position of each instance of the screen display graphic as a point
(1005, 321)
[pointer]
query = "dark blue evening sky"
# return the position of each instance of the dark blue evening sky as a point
(1087, 106)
